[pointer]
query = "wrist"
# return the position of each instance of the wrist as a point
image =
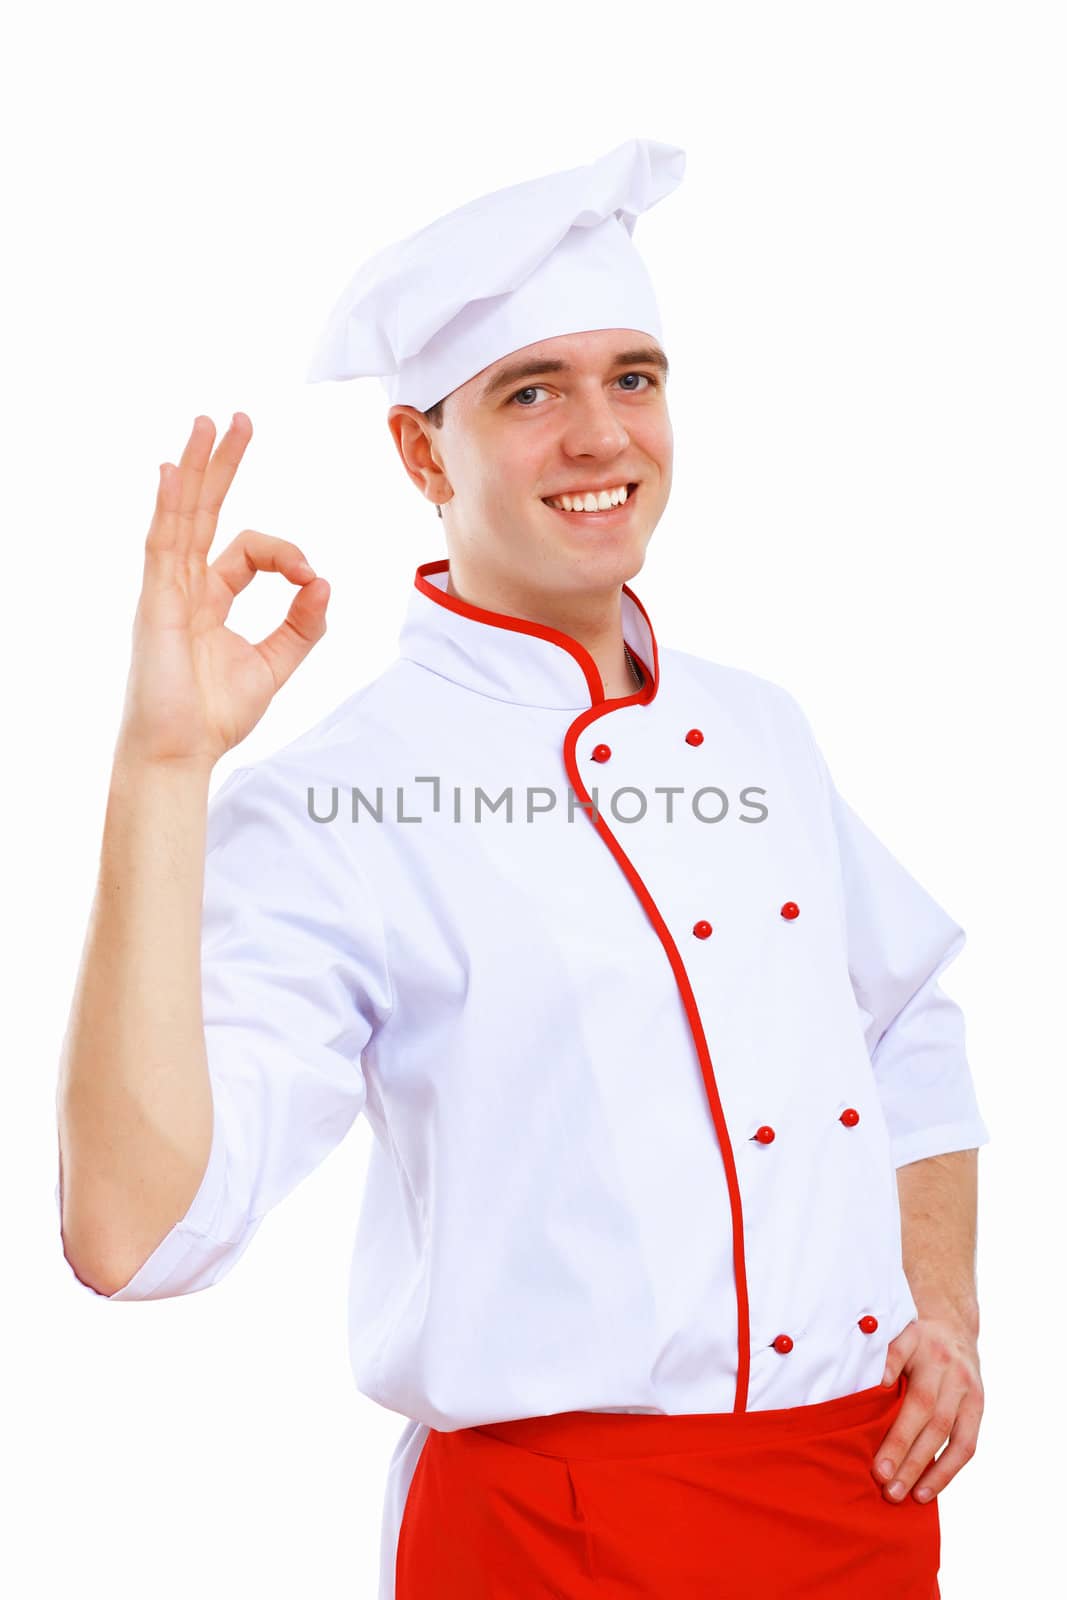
(961, 1311)
(131, 765)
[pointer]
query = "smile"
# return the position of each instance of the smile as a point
(606, 506)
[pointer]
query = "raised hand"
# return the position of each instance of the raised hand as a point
(195, 688)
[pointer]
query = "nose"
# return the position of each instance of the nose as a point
(593, 427)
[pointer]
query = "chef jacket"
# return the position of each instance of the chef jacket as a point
(642, 1015)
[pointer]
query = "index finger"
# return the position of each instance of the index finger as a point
(912, 1418)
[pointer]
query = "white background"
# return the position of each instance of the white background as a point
(862, 283)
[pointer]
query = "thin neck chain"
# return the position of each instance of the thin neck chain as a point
(635, 671)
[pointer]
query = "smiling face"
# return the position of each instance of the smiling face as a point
(581, 412)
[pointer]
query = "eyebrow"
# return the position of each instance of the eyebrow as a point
(643, 356)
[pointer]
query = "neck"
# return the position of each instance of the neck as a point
(593, 620)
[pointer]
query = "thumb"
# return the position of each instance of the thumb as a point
(900, 1351)
(303, 627)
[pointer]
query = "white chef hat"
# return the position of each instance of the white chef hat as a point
(549, 256)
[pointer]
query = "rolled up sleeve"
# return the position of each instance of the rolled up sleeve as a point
(295, 984)
(900, 941)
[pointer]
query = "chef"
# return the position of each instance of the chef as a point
(644, 1018)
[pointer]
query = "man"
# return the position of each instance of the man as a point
(646, 1022)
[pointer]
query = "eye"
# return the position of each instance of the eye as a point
(647, 377)
(530, 389)
(534, 388)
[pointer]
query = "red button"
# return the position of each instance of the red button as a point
(849, 1117)
(601, 752)
(765, 1135)
(783, 1344)
(868, 1324)
(702, 929)
(790, 910)
(694, 736)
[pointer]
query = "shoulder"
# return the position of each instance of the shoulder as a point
(319, 754)
(734, 685)
(752, 708)
(275, 800)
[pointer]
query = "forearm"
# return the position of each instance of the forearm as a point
(938, 1219)
(134, 1104)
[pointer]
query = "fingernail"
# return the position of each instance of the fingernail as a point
(923, 1494)
(896, 1489)
(885, 1468)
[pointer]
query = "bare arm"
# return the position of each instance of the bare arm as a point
(938, 1349)
(134, 1105)
(938, 1218)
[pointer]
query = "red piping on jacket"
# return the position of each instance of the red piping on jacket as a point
(600, 707)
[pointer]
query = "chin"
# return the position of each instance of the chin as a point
(602, 562)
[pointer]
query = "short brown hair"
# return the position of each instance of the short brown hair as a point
(435, 416)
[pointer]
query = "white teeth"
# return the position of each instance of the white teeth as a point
(591, 502)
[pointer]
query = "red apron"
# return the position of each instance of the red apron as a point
(750, 1505)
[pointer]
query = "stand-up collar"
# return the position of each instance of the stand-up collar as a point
(509, 658)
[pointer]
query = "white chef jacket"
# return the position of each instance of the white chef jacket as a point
(638, 1086)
